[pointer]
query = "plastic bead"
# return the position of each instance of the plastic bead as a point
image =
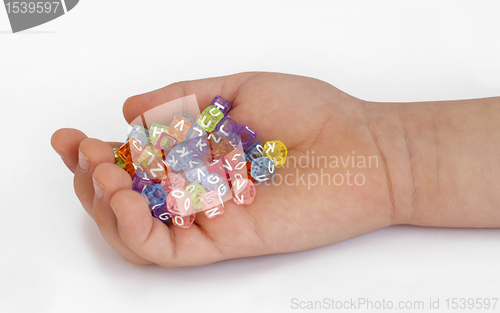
(262, 169)
(180, 205)
(148, 155)
(179, 202)
(195, 192)
(161, 212)
(140, 133)
(130, 169)
(130, 150)
(227, 128)
(155, 195)
(209, 118)
(225, 147)
(118, 159)
(195, 170)
(199, 146)
(235, 167)
(183, 221)
(276, 151)
(222, 104)
(243, 191)
(211, 204)
(155, 131)
(166, 184)
(140, 181)
(180, 126)
(217, 183)
(179, 156)
(247, 136)
(249, 171)
(165, 143)
(196, 131)
(176, 181)
(233, 158)
(254, 151)
(216, 167)
(157, 169)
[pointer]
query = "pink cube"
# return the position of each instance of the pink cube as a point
(165, 142)
(243, 191)
(182, 209)
(179, 203)
(183, 221)
(215, 167)
(211, 204)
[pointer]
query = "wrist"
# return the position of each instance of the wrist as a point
(441, 160)
(387, 126)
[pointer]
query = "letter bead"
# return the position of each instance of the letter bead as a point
(247, 136)
(222, 104)
(155, 131)
(254, 151)
(140, 133)
(243, 191)
(211, 204)
(262, 169)
(154, 195)
(227, 128)
(276, 151)
(209, 118)
(180, 126)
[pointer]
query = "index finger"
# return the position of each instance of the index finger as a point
(204, 89)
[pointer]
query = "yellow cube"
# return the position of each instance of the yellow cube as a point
(276, 151)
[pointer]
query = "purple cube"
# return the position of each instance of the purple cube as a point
(247, 136)
(222, 104)
(140, 181)
(226, 128)
(161, 212)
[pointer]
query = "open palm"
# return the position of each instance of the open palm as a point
(307, 205)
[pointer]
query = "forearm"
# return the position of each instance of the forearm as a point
(442, 160)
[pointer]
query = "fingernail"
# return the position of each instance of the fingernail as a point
(113, 208)
(83, 162)
(98, 189)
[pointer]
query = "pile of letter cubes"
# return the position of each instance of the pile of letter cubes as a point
(188, 167)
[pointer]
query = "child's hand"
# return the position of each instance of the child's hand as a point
(310, 116)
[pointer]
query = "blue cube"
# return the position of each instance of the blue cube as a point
(195, 171)
(254, 152)
(262, 169)
(155, 195)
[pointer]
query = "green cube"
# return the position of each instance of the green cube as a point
(195, 191)
(209, 118)
(155, 131)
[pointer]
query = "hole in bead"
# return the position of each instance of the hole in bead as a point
(244, 137)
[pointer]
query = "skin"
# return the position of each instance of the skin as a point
(429, 171)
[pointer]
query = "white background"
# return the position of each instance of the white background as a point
(76, 71)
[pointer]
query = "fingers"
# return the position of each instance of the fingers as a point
(108, 179)
(204, 89)
(65, 142)
(153, 240)
(92, 152)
